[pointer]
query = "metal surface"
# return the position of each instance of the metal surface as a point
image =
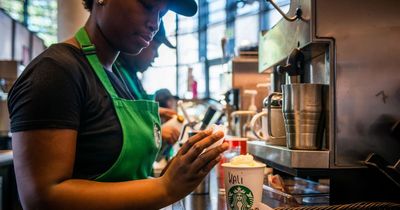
(204, 187)
(275, 122)
(6, 157)
(366, 77)
(303, 110)
(279, 42)
(355, 53)
(289, 158)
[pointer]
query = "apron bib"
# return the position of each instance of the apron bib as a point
(139, 120)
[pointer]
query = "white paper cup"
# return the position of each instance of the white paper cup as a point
(243, 185)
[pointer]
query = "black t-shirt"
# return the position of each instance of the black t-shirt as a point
(59, 90)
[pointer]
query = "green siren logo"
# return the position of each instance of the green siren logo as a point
(240, 198)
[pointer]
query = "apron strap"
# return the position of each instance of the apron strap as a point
(90, 52)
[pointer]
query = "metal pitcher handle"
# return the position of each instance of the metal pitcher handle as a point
(269, 115)
(253, 123)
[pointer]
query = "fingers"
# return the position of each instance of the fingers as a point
(193, 140)
(206, 169)
(175, 135)
(203, 161)
(198, 147)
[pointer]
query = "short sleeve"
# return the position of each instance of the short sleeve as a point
(47, 95)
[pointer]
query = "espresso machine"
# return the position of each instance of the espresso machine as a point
(350, 49)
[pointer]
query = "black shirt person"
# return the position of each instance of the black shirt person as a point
(66, 129)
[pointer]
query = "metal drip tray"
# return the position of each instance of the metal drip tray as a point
(295, 159)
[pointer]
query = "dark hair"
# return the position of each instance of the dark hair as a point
(88, 4)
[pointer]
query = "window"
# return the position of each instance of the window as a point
(42, 18)
(185, 90)
(215, 34)
(15, 8)
(188, 48)
(247, 25)
(163, 72)
(38, 15)
(216, 28)
(220, 80)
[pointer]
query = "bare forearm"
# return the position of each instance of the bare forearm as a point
(86, 195)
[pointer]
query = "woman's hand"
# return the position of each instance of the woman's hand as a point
(166, 113)
(169, 134)
(189, 167)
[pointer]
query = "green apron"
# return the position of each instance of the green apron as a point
(140, 94)
(140, 123)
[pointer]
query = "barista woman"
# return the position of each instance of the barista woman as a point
(80, 139)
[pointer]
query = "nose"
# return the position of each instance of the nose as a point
(153, 23)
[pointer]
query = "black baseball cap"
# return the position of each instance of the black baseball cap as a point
(164, 94)
(183, 7)
(161, 36)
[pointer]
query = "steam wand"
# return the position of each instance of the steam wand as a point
(298, 15)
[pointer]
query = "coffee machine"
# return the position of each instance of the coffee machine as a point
(350, 47)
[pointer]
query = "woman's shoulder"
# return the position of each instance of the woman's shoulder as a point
(63, 54)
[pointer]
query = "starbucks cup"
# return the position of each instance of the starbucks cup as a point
(243, 185)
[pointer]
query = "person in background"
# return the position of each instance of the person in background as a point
(128, 66)
(80, 139)
(165, 98)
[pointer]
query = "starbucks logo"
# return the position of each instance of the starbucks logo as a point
(240, 198)
(157, 135)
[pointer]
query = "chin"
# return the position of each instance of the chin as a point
(131, 51)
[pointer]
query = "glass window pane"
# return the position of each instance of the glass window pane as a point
(216, 9)
(215, 34)
(167, 56)
(249, 8)
(219, 80)
(43, 19)
(156, 78)
(188, 24)
(184, 90)
(15, 8)
(188, 48)
(246, 30)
